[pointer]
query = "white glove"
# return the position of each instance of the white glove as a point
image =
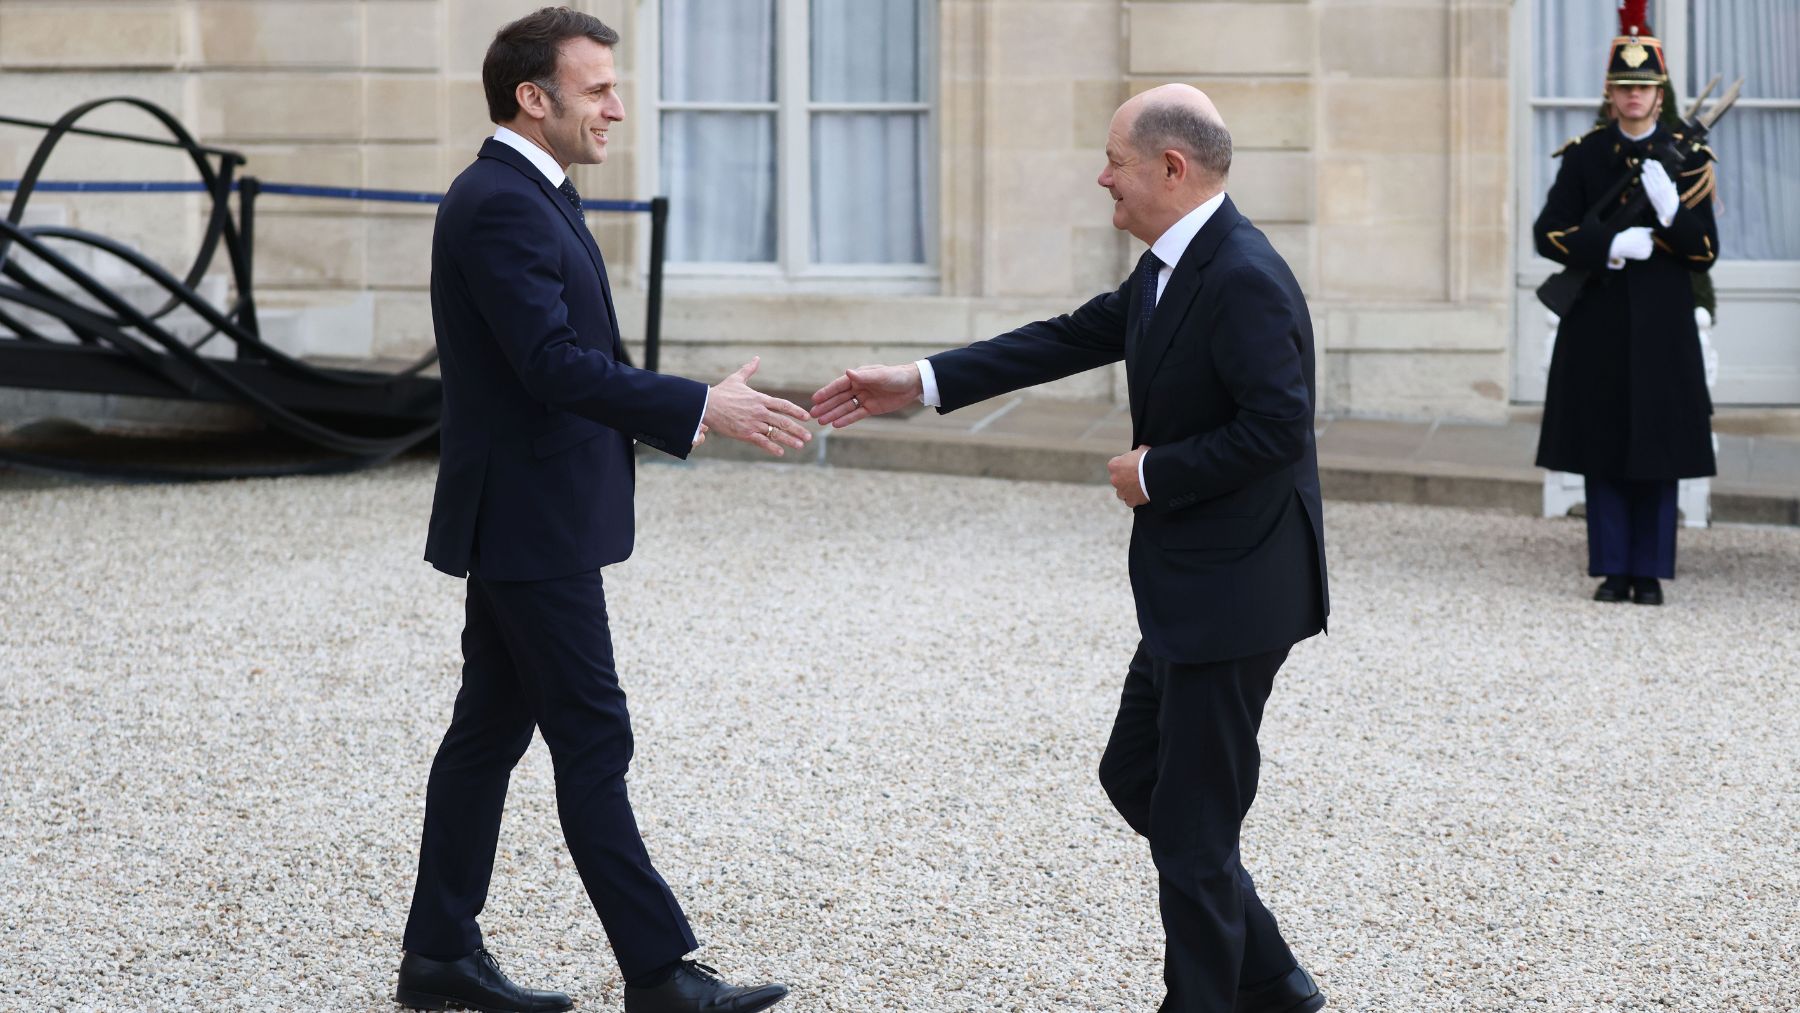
(1632, 244)
(1661, 190)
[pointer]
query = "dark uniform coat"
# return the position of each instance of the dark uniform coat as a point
(1627, 393)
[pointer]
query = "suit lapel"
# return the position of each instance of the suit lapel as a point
(1185, 283)
(505, 153)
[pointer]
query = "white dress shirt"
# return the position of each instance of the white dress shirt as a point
(1168, 249)
(557, 175)
(545, 162)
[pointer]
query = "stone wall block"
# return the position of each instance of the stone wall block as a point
(399, 251)
(1030, 260)
(402, 325)
(1274, 113)
(402, 35)
(236, 108)
(279, 33)
(1389, 41)
(1385, 117)
(1481, 125)
(1059, 188)
(1461, 385)
(1095, 102)
(65, 36)
(1101, 259)
(1482, 49)
(1295, 244)
(470, 26)
(311, 251)
(401, 108)
(1040, 122)
(1345, 196)
(1408, 188)
(1382, 262)
(405, 167)
(1220, 38)
(1072, 39)
(466, 115)
(1273, 186)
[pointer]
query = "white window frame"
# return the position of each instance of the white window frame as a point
(1734, 280)
(792, 270)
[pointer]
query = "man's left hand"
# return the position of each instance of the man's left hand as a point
(1123, 470)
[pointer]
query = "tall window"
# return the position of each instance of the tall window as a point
(1758, 143)
(795, 135)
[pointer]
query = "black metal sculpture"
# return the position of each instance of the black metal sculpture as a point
(358, 417)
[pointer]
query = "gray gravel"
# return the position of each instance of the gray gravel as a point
(869, 710)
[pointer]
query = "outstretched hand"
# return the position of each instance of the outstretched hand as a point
(866, 391)
(737, 410)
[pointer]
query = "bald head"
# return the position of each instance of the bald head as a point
(1182, 118)
(1167, 152)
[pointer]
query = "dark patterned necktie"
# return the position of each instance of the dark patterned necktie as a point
(1148, 268)
(574, 196)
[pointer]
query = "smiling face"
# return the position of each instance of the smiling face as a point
(1132, 179)
(575, 122)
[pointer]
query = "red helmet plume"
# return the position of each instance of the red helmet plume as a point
(1632, 17)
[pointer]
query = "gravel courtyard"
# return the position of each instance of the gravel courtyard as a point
(869, 708)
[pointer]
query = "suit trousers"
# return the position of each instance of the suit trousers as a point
(1631, 527)
(1181, 767)
(538, 655)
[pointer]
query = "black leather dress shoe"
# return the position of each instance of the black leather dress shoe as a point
(696, 988)
(1646, 590)
(1613, 589)
(475, 983)
(1296, 992)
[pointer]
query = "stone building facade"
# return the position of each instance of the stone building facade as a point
(1375, 143)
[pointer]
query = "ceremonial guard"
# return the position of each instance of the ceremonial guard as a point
(1627, 406)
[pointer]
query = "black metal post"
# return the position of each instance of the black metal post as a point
(248, 189)
(659, 228)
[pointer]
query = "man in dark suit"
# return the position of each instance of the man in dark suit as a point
(1227, 547)
(534, 496)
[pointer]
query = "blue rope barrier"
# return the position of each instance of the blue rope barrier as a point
(286, 190)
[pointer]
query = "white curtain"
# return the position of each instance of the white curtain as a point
(719, 168)
(1569, 62)
(868, 175)
(1758, 149)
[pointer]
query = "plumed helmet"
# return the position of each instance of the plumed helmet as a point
(1637, 56)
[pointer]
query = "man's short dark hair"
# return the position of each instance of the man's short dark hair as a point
(1164, 125)
(526, 50)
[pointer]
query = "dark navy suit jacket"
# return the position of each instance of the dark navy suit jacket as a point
(1228, 557)
(536, 473)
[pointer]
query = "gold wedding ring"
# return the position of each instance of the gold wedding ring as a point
(854, 403)
(770, 434)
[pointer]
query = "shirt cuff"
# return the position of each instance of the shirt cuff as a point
(1141, 486)
(702, 423)
(928, 384)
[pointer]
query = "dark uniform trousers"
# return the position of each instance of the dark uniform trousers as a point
(1181, 767)
(538, 654)
(1631, 527)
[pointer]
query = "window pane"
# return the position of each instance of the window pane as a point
(1758, 40)
(866, 51)
(1758, 149)
(1571, 43)
(1759, 184)
(719, 169)
(868, 188)
(718, 50)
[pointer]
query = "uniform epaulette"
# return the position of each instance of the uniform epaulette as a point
(1573, 141)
